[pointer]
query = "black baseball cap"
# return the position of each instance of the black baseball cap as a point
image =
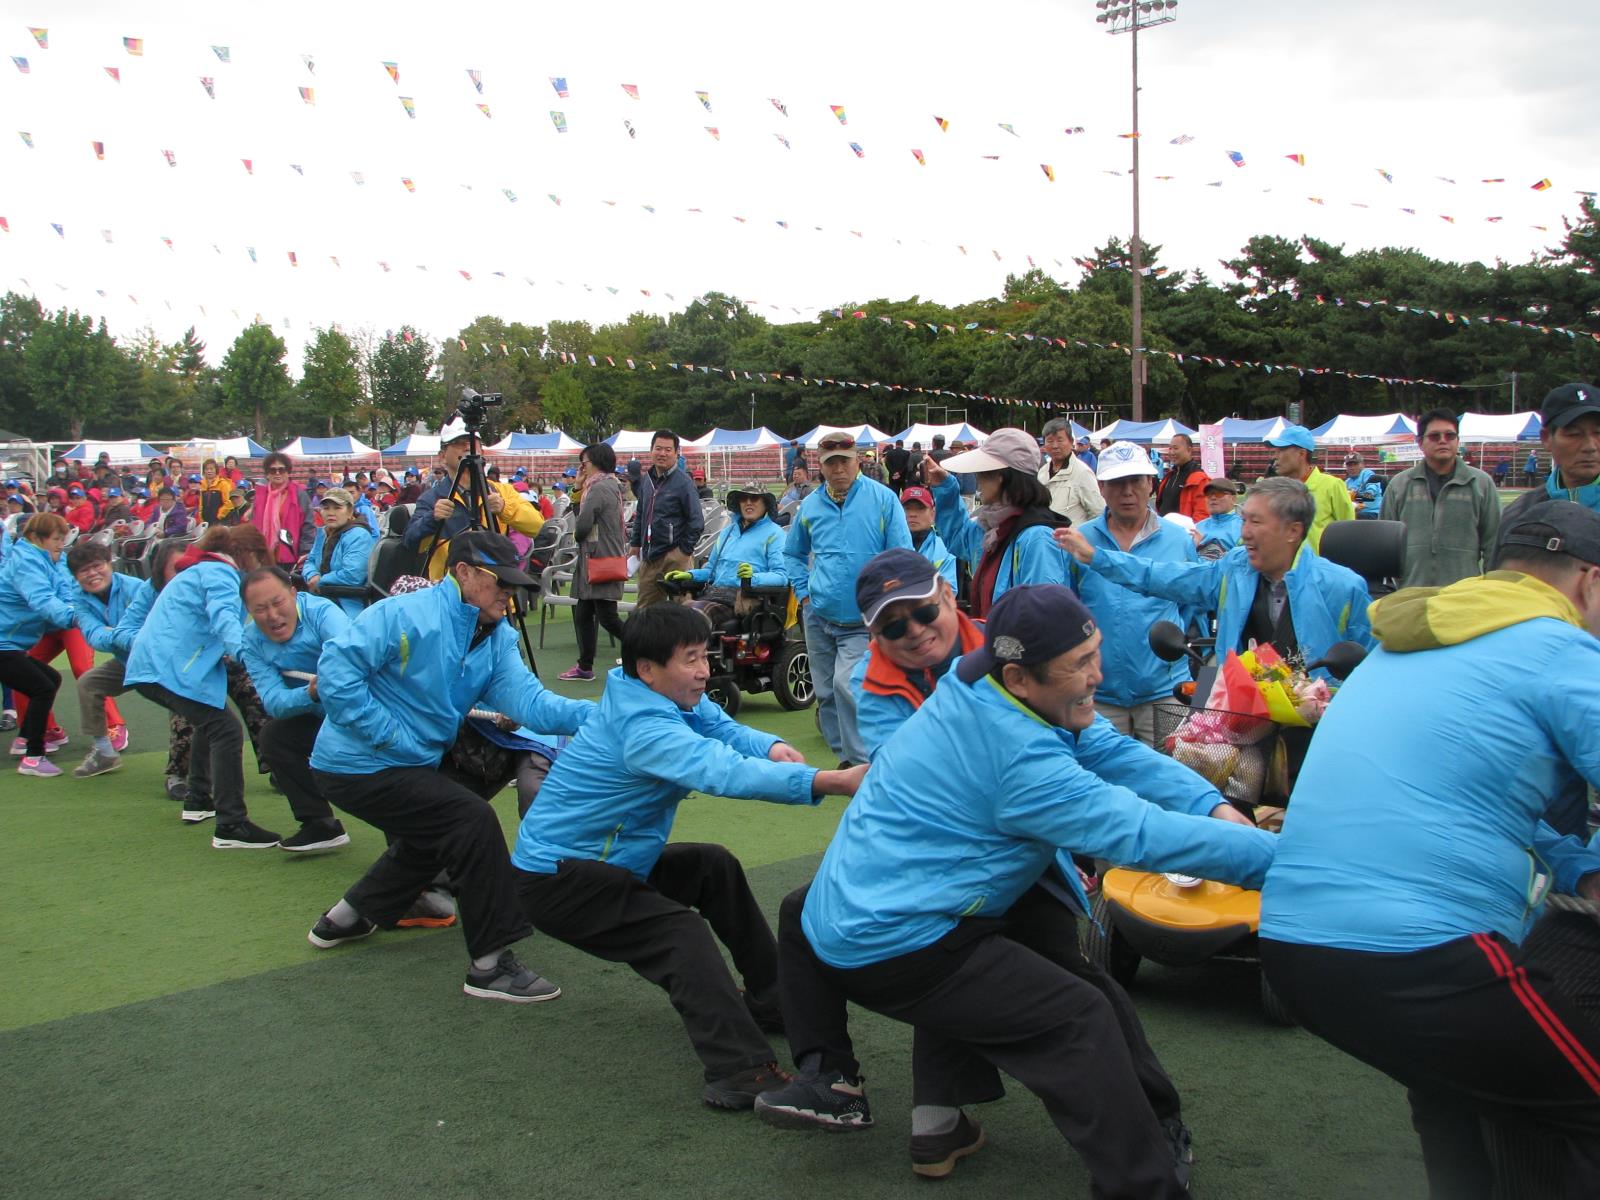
(1567, 403)
(1028, 625)
(1559, 526)
(1223, 484)
(491, 551)
(897, 574)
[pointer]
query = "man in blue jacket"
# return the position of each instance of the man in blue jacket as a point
(104, 597)
(395, 688)
(668, 522)
(1364, 486)
(1413, 862)
(1220, 531)
(1272, 588)
(922, 909)
(287, 632)
(594, 869)
(835, 531)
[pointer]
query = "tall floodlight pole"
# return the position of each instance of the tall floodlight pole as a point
(1131, 18)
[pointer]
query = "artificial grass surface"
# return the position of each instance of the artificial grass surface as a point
(168, 1032)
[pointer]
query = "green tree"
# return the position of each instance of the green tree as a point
(330, 383)
(20, 316)
(255, 384)
(71, 366)
(564, 403)
(404, 387)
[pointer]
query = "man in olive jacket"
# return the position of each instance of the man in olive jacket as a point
(1451, 511)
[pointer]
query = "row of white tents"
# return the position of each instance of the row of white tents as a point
(1344, 430)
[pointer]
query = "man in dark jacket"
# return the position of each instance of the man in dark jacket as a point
(668, 522)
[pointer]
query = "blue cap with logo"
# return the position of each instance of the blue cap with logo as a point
(1294, 435)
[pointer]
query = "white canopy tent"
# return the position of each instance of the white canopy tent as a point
(1346, 430)
(344, 446)
(630, 441)
(865, 435)
(220, 448)
(958, 432)
(1500, 427)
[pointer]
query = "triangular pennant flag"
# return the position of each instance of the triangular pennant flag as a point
(167, 242)
(407, 103)
(134, 46)
(477, 81)
(251, 251)
(1183, 139)
(309, 95)
(114, 72)
(632, 90)
(714, 132)
(1008, 129)
(559, 120)
(249, 166)
(705, 99)
(510, 195)
(859, 152)
(393, 69)
(22, 64)
(40, 35)
(784, 140)
(632, 132)
(943, 125)
(1388, 178)
(1049, 171)
(222, 53)
(920, 157)
(60, 232)
(5, 226)
(1543, 185)
(293, 262)
(1298, 159)
(838, 111)
(206, 82)
(310, 65)
(1129, 136)
(1236, 158)
(406, 179)
(560, 85)
(484, 109)
(27, 139)
(171, 157)
(780, 106)
(99, 150)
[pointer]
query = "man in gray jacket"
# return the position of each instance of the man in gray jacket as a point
(669, 519)
(1451, 510)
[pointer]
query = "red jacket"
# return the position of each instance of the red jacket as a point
(81, 515)
(1187, 496)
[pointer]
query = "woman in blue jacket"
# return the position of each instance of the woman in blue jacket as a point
(340, 551)
(749, 547)
(32, 604)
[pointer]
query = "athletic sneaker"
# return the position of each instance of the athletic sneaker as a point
(740, 1089)
(95, 763)
(177, 789)
(509, 980)
(8, 719)
(54, 740)
(41, 766)
(1182, 1153)
(576, 673)
(816, 1100)
(934, 1155)
(325, 935)
(243, 836)
(119, 738)
(432, 909)
(19, 747)
(196, 808)
(315, 835)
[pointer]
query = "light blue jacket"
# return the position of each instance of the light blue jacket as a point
(1033, 557)
(33, 600)
(195, 620)
(1133, 674)
(1223, 529)
(1367, 491)
(1327, 602)
(935, 551)
(1415, 820)
(830, 542)
(759, 544)
(317, 623)
(933, 837)
(349, 565)
(134, 617)
(612, 795)
(100, 618)
(396, 685)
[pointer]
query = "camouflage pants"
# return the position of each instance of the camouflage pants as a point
(243, 694)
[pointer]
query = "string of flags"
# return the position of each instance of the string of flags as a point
(1445, 315)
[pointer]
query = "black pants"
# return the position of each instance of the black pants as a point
(39, 682)
(608, 912)
(286, 747)
(1502, 1070)
(436, 824)
(982, 1001)
(588, 616)
(216, 758)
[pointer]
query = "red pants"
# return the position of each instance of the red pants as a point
(80, 657)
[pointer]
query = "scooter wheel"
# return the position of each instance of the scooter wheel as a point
(1108, 949)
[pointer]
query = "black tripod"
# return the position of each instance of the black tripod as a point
(470, 492)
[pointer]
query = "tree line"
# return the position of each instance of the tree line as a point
(62, 374)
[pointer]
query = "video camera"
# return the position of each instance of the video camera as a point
(473, 405)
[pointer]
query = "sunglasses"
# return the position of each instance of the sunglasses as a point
(507, 588)
(923, 615)
(277, 470)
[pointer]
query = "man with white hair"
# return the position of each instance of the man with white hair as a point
(1073, 491)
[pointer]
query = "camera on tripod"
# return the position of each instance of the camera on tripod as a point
(472, 406)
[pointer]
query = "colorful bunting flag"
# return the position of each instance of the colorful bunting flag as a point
(116, 75)
(467, 275)
(1500, 180)
(1388, 178)
(27, 139)
(705, 99)
(134, 46)
(172, 158)
(311, 66)
(249, 166)
(222, 53)
(1236, 158)
(106, 233)
(5, 226)
(859, 152)
(22, 63)
(206, 82)
(632, 132)
(1130, 136)
(1073, 129)
(1008, 129)
(555, 199)
(1543, 185)
(560, 84)
(1217, 183)
(99, 150)
(510, 195)
(393, 69)
(251, 251)
(784, 140)
(559, 119)
(781, 107)
(1183, 139)
(1298, 159)
(477, 78)
(1316, 200)
(944, 126)
(713, 131)
(1444, 179)
(406, 179)
(40, 35)
(838, 111)
(1410, 212)
(60, 232)
(782, 224)
(921, 159)
(631, 90)
(309, 95)
(293, 262)
(410, 105)
(357, 178)
(1442, 217)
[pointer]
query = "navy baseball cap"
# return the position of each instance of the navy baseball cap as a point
(1028, 625)
(491, 551)
(1559, 526)
(1294, 435)
(1567, 403)
(897, 574)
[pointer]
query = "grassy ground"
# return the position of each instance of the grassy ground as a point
(167, 1031)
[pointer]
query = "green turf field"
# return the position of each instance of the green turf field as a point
(166, 1031)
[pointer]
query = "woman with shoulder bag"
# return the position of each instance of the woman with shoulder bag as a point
(601, 568)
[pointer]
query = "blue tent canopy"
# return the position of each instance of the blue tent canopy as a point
(1143, 432)
(1237, 430)
(865, 435)
(736, 439)
(530, 443)
(344, 446)
(130, 450)
(413, 445)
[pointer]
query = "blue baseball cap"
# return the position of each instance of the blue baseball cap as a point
(142, 493)
(194, 479)
(114, 491)
(1294, 435)
(1030, 624)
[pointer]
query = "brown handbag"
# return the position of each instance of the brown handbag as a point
(611, 569)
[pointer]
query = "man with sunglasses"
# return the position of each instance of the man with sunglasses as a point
(1451, 510)
(395, 688)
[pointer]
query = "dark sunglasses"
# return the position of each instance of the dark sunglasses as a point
(924, 615)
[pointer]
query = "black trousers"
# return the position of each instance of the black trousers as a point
(983, 1001)
(1502, 1070)
(588, 616)
(286, 746)
(39, 682)
(436, 825)
(652, 926)
(216, 758)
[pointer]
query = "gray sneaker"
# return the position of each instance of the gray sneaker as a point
(509, 980)
(95, 763)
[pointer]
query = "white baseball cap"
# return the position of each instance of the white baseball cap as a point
(1121, 459)
(453, 429)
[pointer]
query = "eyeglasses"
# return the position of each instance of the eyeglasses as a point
(508, 588)
(277, 470)
(1441, 435)
(923, 615)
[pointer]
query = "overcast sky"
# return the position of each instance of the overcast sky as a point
(1468, 91)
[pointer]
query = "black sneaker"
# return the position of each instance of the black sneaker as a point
(243, 836)
(815, 1100)
(509, 980)
(325, 935)
(177, 789)
(316, 835)
(934, 1155)
(1182, 1152)
(740, 1089)
(196, 808)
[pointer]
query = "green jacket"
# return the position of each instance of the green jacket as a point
(1448, 539)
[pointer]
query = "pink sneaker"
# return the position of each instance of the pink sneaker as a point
(53, 741)
(42, 767)
(119, 738)
(576, 673)
(19, 747)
